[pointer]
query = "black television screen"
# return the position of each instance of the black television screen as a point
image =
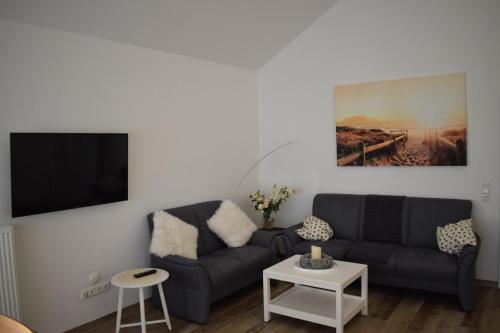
(58, 171)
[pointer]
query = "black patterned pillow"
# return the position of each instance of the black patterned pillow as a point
(315, 229)
(454, 236)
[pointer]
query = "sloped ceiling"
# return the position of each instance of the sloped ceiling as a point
(243, 33)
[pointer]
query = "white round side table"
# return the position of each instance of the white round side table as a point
(127, 280)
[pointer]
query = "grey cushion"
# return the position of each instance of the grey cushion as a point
(222, 269)
(228, 265)
(334, 247)
(383, 268)
(204, 211)
(370, 252)
(426, 214)
(255, 258)
(185, 213)
(341, 211)
(197, 215)
(426, 264)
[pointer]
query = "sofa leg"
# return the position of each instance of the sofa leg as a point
(467, 299)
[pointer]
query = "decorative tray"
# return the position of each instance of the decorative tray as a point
(297, 266)
(323, 265)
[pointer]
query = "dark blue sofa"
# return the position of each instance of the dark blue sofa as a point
(406, 256)
(194, 285)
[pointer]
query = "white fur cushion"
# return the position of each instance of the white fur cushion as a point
(231, 224)
(172, 236)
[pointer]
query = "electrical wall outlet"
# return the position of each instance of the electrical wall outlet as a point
(95, 289)
(486, 191)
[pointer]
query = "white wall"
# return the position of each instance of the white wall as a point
(364, 41)
(192, 130)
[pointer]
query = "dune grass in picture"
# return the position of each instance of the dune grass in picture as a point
(408, 122)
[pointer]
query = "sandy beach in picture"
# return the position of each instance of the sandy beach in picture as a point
(408, 122)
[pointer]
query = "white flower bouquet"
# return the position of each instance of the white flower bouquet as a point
(270, 204)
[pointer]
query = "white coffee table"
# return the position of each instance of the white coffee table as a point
(317, 297)
(127, 280)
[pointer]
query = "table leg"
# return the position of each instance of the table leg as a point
(143, 316)
(119, 310)
(338, 314)
(267, 297)
(164, 306)
(364, 291)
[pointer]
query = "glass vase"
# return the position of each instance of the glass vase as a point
(267, 221)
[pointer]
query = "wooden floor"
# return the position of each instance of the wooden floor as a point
(390, 310)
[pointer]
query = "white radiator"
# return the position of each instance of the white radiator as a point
(9, 304)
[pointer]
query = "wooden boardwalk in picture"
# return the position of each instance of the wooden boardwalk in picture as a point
(435, 142)
(398, 136)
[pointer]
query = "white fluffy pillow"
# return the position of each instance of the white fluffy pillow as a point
(231, 224)
(172, 236)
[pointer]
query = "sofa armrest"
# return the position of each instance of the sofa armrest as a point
(263, 238)
(470, 250)
(466, 275)
(188, 289)
(290, 238)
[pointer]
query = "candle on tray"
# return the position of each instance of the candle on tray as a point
(315, 252)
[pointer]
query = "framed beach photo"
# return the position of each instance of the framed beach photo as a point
(407, 122)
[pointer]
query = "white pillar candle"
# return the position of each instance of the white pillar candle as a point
(315, 252)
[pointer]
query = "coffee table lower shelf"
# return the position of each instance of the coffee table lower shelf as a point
(315, 305)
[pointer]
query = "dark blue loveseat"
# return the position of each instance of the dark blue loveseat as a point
(194, 285)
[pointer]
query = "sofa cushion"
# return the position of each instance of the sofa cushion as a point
(341, 211)
(197, 215)
(426, 214)
(228, 265)
(370, 252)
(381, 268)
(382, 218)
(204, 211)
(255, 258)
(315, 228)
(231, 224)
(453, 237)
(221, 269)
(334, 247)
(172, 236)
(426, 264)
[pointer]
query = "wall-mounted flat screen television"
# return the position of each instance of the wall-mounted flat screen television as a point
(58, 171)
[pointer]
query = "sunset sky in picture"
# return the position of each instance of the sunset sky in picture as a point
(427, 102)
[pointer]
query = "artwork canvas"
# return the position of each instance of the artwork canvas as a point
(408, 122)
